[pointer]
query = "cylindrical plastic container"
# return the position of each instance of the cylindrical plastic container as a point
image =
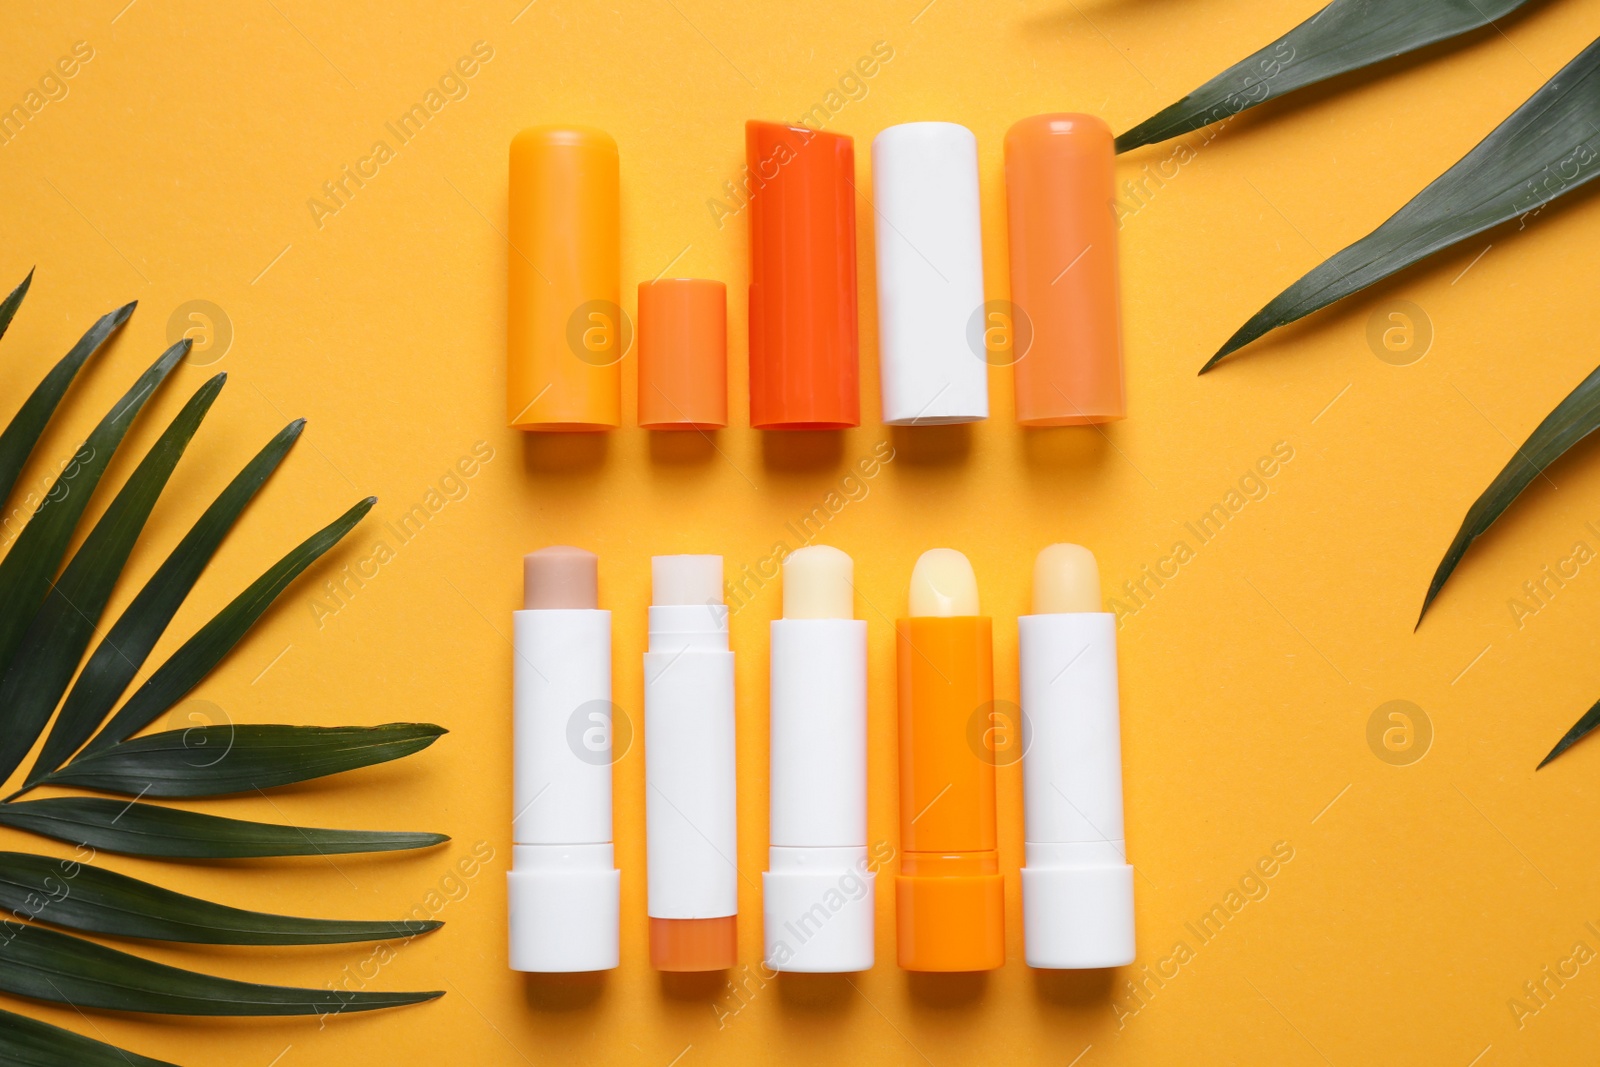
(803, 348)
(1077, 886)
(564, 886)
(566, 333)
(683, 354)
(949, 895)
(1060, 190)
(691, 801)
(931, 357)
(818, 895)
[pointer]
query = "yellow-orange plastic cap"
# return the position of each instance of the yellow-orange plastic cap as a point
(683, 354)
(566, 332)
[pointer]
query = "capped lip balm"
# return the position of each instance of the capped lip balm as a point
(683, 354)
(931, 314)
(566, 332)
(803, 346)
(1060, 187)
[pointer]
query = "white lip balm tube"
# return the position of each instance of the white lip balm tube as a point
(1077, 886)
(563, 887)
(932, 321)
(817, 898)
(690, 797)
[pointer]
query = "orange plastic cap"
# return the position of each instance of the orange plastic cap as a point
(803, 361)
(1060, 189)
(565, 331)
(683, 354)
(694, 944)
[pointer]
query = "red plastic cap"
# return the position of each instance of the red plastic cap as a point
(803, 362)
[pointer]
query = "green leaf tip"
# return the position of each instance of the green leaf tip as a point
(1345, 36)
(8, 307)
(1588, 722)
(1573, 420)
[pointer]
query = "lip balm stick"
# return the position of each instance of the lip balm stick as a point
(563, 885)
(1077, 886)
(690, 802)
(950, 895)
(818, 895)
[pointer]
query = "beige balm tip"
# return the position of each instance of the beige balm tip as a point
(560, 577)
(685, 580)
(817, 584)
(943, 585)
(1066, 580)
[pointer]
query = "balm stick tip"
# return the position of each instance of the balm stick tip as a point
(817, 584)
(943, 585)
(1065, 579)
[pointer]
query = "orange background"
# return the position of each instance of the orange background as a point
(1419, 897)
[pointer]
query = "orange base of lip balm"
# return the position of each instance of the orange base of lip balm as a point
(950, 912)
(694, 944)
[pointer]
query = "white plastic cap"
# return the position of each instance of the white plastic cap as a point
(930, 275)
(563, 908)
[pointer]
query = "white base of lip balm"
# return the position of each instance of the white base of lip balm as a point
(817, 896)
(563, 909)
(817, 910)
(1077, 885)
(564, 902)
(691, 798)
(1077, 910)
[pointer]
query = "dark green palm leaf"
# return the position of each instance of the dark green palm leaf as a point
(27, 1042)
(1345, 36)
(1590, 720)
(27, 569)
(48, 965)
(83, 897)
(192, 662)
(172, 833)
(1547, 148)
(8, 309)
(27, 425)
(210, 761)
(55, 640)
(122, 652)
(1574, 418)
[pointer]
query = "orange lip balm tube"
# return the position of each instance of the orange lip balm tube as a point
(949, 895)
(565, 330)
(1060, 187)
(803, 366)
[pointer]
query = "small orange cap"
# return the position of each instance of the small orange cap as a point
(694, 944)
(683, 354)
(1060, 192)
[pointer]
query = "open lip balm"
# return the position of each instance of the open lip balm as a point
(1077, 886)
(817, 896)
